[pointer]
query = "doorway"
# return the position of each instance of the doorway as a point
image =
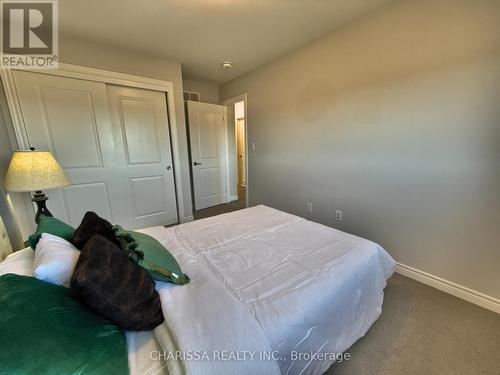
(218, 150)
(240, 132)
(238, 184)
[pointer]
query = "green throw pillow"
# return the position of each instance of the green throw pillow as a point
(151, 255)
(53, 226)
(45, 331)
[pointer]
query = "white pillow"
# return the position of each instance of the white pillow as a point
(55, 260)
(19, 262)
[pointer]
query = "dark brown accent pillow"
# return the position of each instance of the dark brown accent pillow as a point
(90, 225)
(106, 281)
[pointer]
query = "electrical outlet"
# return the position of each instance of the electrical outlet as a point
(309, 207)
(338, 215)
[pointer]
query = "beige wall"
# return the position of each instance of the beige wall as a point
(209, 92)
(394, 119)
(78, 52)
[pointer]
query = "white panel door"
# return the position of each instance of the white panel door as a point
(70, 117)
(145, 174)
(208, 153)
(113, 143)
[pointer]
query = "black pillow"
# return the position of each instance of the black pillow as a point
(106, 281)
(90, 225)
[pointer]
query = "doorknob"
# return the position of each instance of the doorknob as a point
(169, 167)
(196, 163)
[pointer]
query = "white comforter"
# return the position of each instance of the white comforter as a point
(267, 283)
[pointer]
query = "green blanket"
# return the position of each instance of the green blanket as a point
(43, 330)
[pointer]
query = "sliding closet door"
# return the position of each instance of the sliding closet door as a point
(70, 117)
(113, 143)
(145, 173)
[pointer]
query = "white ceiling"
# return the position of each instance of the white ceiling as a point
(201, 34)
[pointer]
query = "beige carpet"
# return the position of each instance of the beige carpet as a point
(425, 331)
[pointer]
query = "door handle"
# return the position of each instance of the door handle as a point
(169, 167)
(196, 163)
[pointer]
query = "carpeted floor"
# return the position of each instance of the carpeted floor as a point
(220, 209)
(426, 332)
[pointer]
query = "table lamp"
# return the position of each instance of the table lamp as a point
(33, 170)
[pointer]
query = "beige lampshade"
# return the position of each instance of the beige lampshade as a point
(34, 170)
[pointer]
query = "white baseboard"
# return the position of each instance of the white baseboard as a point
(459, 291)
(233, 198)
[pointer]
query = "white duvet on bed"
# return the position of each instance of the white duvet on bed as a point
(264, 281)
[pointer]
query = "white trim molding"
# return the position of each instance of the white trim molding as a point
(105, 76)
(449, 287)
(233, 198)
(226, 149)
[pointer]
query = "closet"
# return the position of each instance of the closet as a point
(112, 141)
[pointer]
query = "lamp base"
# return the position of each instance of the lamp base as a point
(40, 198)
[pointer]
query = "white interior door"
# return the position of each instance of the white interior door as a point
(208, 153)
(109, 163)
(145, 174)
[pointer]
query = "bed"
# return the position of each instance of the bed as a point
(140, 345)
(270, 293)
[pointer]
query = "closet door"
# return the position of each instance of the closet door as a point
(70, 117)
(145, 174)
(113, 143)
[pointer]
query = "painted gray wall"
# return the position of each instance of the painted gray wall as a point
(209, 92)
(394, 119)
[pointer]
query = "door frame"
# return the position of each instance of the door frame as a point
(227, 102)
(20, 138)
(236, 130)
